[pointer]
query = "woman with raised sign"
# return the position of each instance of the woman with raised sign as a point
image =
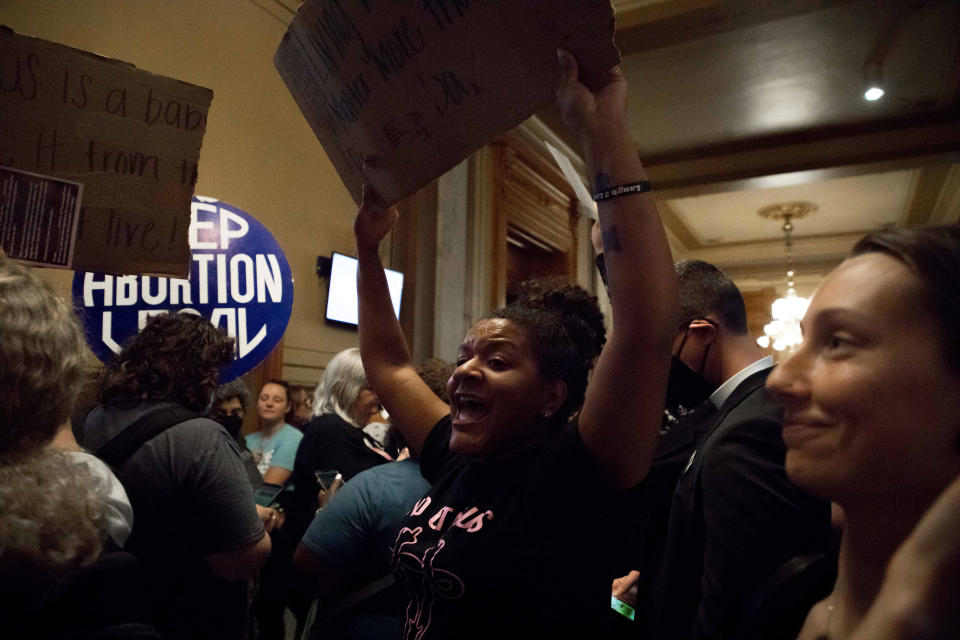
(514, 539)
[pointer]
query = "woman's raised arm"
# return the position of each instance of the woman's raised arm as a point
(413, 408)
(621, 416)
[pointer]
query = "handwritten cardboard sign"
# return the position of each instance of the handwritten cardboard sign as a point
(130, 137)
(399, 92)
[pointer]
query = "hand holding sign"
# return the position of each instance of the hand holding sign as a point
(373, 222)
(589, 113)
(399, 92)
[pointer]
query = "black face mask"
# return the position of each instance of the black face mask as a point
(231, 423)
(686, 388)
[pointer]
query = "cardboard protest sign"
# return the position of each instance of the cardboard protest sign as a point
(399, 92)
(130, 137)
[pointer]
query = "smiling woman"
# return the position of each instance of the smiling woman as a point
(873, 403)
(514, 538)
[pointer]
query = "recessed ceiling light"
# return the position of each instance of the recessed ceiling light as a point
(873, 93)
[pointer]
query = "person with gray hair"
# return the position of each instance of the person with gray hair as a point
(343, 390)
(334, 440)
(41, 361)
(58, 510)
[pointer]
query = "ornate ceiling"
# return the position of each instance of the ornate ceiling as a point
(741, 104)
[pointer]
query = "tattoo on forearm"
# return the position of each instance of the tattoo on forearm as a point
(611, 239)
(601, 181)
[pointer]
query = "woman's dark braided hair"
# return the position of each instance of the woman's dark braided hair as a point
(565, 330)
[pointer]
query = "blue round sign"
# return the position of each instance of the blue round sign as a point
(239, 280)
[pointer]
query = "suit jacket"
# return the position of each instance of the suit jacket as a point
(652, 499)
(735, 519)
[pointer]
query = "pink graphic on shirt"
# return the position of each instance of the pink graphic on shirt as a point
(436, 522)
(421, 506)
(423, 581)
(472, 520)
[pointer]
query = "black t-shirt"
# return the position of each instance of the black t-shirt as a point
(329, 443)
(521, 547)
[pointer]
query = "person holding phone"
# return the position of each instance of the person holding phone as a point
(504, 544)
(344, 559)
(333, 440)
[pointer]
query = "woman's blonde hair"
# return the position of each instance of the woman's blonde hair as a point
(41, 360)
(341, 383)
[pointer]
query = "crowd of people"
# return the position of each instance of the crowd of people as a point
(660, 480)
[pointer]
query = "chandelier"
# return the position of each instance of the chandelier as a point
(783, 331)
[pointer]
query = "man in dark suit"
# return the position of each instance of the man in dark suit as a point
(734, 518)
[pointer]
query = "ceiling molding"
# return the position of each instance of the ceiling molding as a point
(917, 129)
(633, 13)
(808, 273)
(647, 26)
(772, 251)
(685, 239)
(946, 210)
(806, 155)
(926, 189)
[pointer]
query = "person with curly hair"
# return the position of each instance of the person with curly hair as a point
(63, 514)
(53, 523)
(41, 361)
(229, 409)
(196, 527)
(528, 464)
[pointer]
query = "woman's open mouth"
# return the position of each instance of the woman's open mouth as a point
(469, 408)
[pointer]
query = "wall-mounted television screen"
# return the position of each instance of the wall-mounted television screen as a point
(342, 293)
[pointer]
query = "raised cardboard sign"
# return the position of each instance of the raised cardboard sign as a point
(239, 280)
(130, 137)
(399, 92)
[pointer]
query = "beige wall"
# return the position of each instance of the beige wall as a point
(259, 153)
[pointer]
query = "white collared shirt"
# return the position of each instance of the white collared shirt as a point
(718, 397)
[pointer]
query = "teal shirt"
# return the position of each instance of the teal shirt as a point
(279, 450)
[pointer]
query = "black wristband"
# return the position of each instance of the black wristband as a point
(621, 190)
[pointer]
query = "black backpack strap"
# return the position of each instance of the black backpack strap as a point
(124, 444)
(311, 626)
(354, 598)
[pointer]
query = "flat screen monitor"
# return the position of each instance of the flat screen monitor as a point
(342, 293)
